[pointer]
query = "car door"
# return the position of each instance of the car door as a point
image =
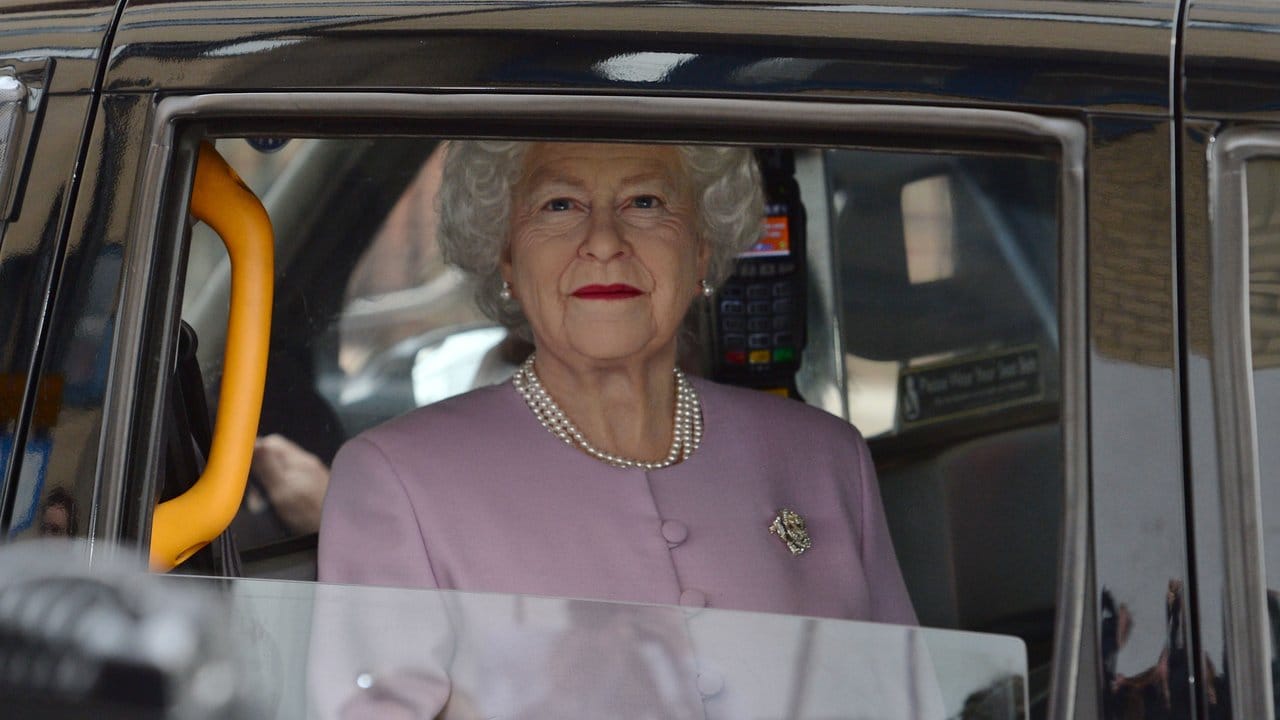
(50, 60)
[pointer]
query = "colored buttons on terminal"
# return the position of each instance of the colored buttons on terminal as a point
(759, 357)
(784, 354)
(736, 357)
(693, 598)
(675, 532)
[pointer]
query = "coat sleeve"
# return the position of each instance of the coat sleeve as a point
(369, 530)
(890, 602)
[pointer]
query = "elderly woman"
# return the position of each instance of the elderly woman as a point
(601, 471)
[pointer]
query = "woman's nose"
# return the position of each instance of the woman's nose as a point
(604, 240)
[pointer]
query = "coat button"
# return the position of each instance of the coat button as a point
(693, 598)
(710, 683)
(675, 532)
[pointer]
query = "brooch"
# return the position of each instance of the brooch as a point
(790, 529)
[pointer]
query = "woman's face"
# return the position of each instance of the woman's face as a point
(603, 254)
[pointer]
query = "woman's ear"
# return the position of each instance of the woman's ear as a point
(504, 263)
(704, 259)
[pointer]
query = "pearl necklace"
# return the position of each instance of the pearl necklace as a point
(686, 433)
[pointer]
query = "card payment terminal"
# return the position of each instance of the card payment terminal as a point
(759, 312)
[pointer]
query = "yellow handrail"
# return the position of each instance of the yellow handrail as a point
(185, 524)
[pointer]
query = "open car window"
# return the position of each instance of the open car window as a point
(930, 291)
(937, 271)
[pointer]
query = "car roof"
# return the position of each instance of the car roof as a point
(1111, 56)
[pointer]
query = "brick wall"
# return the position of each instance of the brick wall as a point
(1131, 294)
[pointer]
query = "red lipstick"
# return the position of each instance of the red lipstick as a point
(617, 291)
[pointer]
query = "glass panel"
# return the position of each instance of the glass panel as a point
(128, 644)
(948, 272)
(1263, 208)
(495, 655)
(944, 271)
(928, 228)
(1262, 212)
(368, 321)
(947, 267)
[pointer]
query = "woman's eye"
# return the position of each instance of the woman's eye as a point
(646, 202)
(559, 205)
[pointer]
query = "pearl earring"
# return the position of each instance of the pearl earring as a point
(707, 290)
(505, 293)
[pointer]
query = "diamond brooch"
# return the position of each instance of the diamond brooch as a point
(790, 529)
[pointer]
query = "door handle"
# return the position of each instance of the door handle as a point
(186, 523)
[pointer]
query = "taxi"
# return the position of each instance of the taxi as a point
(1030, 249)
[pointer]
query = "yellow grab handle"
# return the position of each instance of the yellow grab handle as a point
(185, 524)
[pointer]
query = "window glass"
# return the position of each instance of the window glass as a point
(536, 657)
(940, 271)
(947, 266)
(928, 229)
(368, 321)
(259, 169)
(1263, 207)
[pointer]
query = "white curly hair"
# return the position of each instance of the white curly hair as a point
(475, 211)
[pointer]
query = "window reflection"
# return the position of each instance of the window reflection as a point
(928, 229)
(1263, 218)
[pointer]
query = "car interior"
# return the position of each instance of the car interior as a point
(924, 311)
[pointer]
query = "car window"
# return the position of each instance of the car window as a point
(929, 303)
(947, 274)
(946, 270)
(934, 274)
(368, 321)
(1263, 198)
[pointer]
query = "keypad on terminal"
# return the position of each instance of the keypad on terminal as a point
(757, 316)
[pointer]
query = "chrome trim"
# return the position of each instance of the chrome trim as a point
(123, 375)
(621, 115)
(631, 112)
(14, 108)
(1074, 552)
(1248, 627)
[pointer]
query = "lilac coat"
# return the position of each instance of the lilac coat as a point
(473, 494)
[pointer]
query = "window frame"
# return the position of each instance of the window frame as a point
(144, 339)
